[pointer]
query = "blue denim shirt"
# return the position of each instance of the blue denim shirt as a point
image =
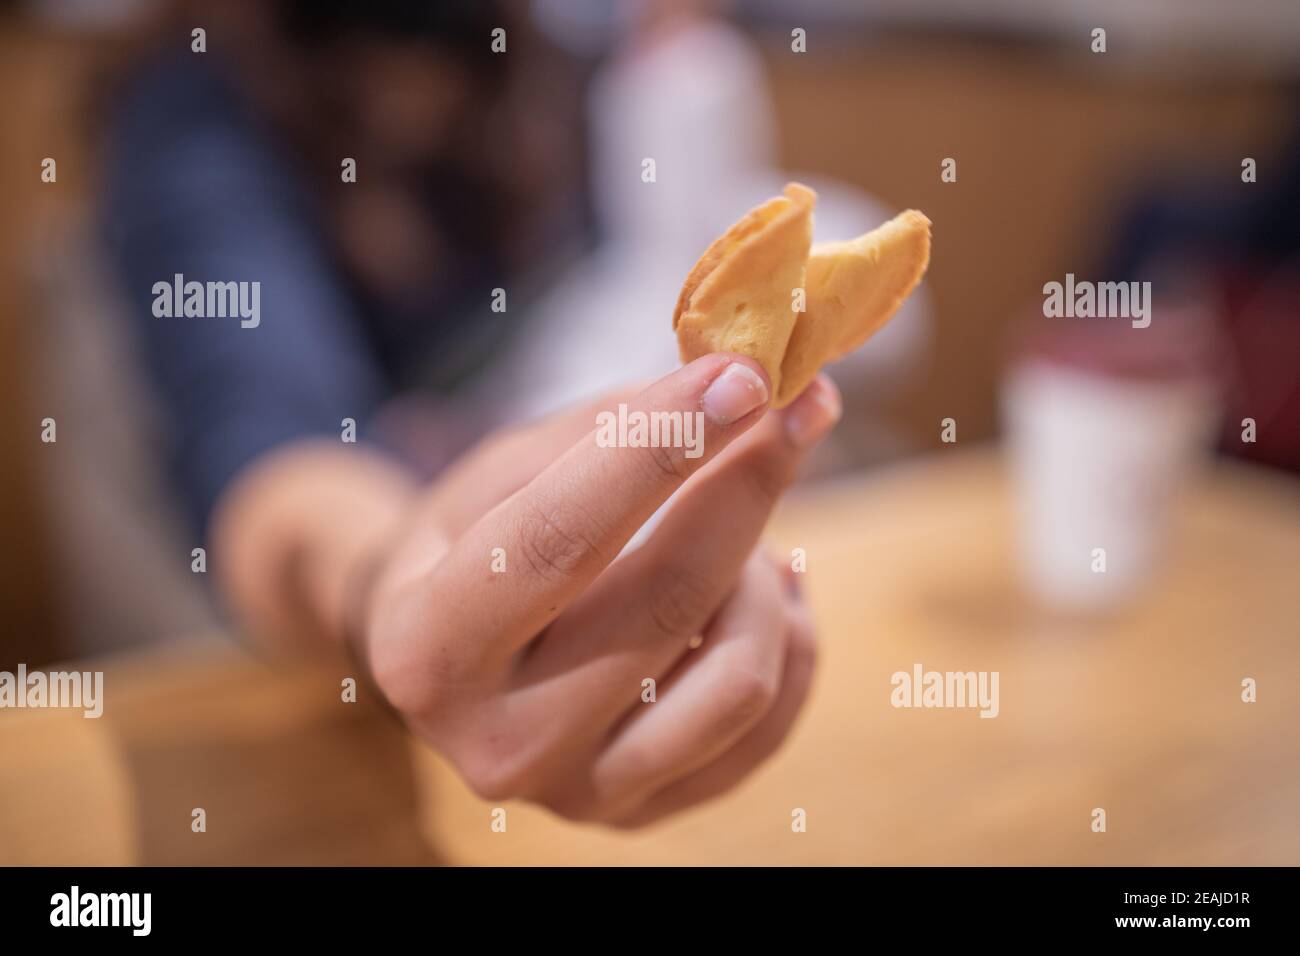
(196, 185)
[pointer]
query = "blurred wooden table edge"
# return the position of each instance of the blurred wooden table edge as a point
(288, 772)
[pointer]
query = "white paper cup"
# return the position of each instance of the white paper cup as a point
(1097, 462)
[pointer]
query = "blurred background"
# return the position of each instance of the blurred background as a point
(1066, 161)
(479, 171)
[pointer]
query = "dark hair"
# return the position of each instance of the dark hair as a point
(459, 27)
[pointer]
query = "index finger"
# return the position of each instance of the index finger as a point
(508, 460)
(514, 570)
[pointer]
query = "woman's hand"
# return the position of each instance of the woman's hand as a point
(503, 629)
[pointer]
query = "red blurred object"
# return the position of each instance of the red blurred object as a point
(1262, 323)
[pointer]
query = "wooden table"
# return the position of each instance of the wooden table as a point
(1139, 714)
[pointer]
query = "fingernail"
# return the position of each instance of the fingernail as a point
(734, 394)
(809, 419)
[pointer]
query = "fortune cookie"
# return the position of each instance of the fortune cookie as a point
(743, 294)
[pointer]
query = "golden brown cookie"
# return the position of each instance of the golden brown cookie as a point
(854, 288)
(742, 294)
(739, 296)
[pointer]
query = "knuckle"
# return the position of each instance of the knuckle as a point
(745, 695)
(626, 818)
(666, 462)
(577, 799)
(403, 686)
(494, 771)
(551, 550)
(677, 604)
(575, 807)
(422, 687)
(490, 784)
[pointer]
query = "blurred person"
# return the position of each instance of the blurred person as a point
(686, 88)
(224, 168)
